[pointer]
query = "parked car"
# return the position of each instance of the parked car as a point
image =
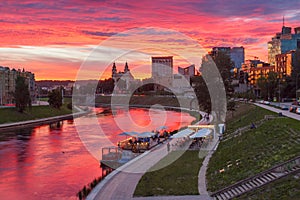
(261, 101)
(284, 107)
(298, 110)
(293, 108)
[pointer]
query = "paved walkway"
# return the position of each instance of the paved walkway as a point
(122, 185)
(123, 181)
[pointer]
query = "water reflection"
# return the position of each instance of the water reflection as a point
(50, 161)
(56, 125)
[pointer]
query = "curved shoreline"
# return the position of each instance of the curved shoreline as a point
(95, 191)
(36, 122)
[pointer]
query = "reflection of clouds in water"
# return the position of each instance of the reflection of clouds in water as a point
(145, 120)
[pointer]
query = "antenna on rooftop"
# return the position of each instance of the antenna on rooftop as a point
(283, 21)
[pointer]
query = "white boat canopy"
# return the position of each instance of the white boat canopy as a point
(145, 134)
(132, 133)
(201, 133)
(183, 133)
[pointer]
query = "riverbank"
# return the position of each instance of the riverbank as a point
(125, 179)
(63, 114)
(150, 100)
(245, 152)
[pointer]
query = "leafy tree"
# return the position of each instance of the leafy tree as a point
(231, 107)
(272, 83)
(262, 83)
(216, 79)
(224, 65)
(202, 93)
(55, 98)
(21, 94)
(295, 73)
(108, 85)
(268, 86)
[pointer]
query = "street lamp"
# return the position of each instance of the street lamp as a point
(297, 84)
(279, 92)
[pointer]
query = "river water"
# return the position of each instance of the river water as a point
(50, 162)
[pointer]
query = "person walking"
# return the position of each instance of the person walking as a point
(168, 147)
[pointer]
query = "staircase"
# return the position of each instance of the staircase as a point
(263, 178)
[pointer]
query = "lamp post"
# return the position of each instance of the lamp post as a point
(279, 93)
(297, 84)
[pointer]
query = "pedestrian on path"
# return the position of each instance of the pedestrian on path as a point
(168, 147)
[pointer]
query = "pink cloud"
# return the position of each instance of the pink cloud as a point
(81, 23)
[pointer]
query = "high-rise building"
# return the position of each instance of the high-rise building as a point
(237, 54)
(162, 70)
(283, 42)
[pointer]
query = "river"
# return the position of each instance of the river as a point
(50, 162)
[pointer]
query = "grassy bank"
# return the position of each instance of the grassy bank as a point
(256, 150)
(244, 115)
(287, 188)
(9, 115)
(150, 100)
(146, 100)
(178, 178)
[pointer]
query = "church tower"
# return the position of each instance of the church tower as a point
(126, 69)
(114, 70)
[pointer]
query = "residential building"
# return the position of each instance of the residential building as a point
(284, 64)
(8, 84)
(261, 70)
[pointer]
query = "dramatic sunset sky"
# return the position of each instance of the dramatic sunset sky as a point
(53, 38)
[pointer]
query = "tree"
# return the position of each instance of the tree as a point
(216, 71)
(202, 93)
(262, 83)
(224, 64)
(272, 83)
(55, 98)
(231, 107)
(268, 86)
(21, 94)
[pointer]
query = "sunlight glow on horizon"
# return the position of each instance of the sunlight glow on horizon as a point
(52, 42)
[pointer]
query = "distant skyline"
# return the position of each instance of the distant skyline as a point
(52, 39)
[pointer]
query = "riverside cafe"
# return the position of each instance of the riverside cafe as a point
(201, 135)
(137, 142)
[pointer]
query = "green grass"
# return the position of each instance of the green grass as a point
(178, 178)
(257, 149)
(245, 115)
(287, 188)
(8, 115)
(43, 99)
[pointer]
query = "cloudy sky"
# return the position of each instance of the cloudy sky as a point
(53, 39)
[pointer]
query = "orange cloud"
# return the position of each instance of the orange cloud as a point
(62, 33)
